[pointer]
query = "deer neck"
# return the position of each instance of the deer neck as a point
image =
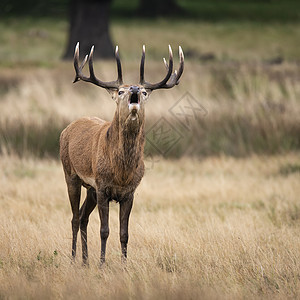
(126, 141)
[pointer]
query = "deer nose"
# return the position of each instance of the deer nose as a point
(134, 89)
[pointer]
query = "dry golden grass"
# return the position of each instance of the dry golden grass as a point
(213, 228)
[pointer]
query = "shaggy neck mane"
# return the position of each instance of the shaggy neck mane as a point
(127, 142)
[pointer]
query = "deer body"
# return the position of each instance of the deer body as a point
(107, 157)
(96, 160)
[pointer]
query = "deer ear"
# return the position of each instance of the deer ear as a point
(113, 93)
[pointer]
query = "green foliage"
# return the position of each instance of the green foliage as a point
(214, 10)
(34, 7)
(246, 10)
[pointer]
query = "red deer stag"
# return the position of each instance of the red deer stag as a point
(107, 157)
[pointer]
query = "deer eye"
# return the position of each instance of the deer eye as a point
(144, 93)
(120, 93)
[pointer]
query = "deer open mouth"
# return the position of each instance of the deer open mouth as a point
(134, 106)
(134, 99)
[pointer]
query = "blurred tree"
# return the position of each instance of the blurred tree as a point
(155, 8)
(89, 25)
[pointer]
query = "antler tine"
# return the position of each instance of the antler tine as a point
(167, 67)
(154, 86)
(119, 67)
(78, 69)
(83, 62)
(91, 66)
(174, 79)
(181, 66)
(93, 79)
(142, 67)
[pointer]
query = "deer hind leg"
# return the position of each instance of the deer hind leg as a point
(125, 209)
(84, 213)
(74, 190)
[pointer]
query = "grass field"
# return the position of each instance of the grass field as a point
(229, 229)
(220, 221)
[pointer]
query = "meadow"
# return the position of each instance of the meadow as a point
(229, 229)
(216, 217)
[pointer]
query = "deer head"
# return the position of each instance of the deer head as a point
(130, 99)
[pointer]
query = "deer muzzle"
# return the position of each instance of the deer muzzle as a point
(134, 108)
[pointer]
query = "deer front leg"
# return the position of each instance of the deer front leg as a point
(103, 207)
(85, 211)
(125, 209)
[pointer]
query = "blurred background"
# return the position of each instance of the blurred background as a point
(242, 63)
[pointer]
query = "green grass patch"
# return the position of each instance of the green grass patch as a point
(40, 42)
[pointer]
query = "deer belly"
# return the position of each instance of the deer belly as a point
(88, 180)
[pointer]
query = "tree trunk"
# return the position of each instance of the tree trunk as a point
(89, 25)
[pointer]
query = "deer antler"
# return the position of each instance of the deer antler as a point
(173, 78)
(93, 79)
